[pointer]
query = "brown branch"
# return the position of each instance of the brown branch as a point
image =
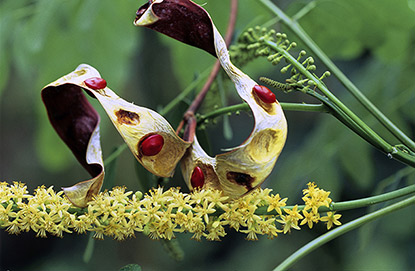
(189, 118)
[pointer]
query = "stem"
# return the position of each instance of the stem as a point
(305, 10)
(386, 147)
(294, 26)
(189, 117)
(243, 106)
(351, 204)
(364, 130)
(318, 242)
(115, 154)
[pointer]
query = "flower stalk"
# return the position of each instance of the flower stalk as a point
(162, 214)
(244, 107)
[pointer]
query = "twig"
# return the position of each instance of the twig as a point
(189, 118)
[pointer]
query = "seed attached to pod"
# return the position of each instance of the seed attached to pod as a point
(266, 95)
(95, 83)
(152, 145)
(198, 178)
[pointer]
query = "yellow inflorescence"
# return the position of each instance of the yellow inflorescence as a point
(159, 214)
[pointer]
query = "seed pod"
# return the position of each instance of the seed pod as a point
(148, 135)
(192, 25)
(246, 166)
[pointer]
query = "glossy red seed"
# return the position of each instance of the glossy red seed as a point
(152, 145)
(264, 94)
(198, 178)
(95, 83)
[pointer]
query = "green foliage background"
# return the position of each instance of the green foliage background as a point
(372, 42)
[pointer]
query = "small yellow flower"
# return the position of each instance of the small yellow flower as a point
(205, 209)
(290, 221)
(216, 230)
(181, 201)
(309, 218)
(315, 197)
(252, 233)
(267, 226)
(275, 203)
(331, 219)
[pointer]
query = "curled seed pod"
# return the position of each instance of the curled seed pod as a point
(191, 25)
(245, 167)
(149, 136)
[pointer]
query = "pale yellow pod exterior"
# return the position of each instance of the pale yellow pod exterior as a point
(245, 167)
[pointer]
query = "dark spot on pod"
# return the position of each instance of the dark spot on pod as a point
(263, 93)
(198, 178)
(241, 179)
(127, 117)
(95, 83)
(151, 145)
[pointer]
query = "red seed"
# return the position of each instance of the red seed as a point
(198, 178)
(152, 145)
(95, 83)
(264, 94)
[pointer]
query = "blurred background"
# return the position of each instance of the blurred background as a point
(371, 41)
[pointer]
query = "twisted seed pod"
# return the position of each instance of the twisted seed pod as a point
(245, 167)
(149, 136)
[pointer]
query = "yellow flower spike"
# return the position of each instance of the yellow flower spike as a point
(149, 136)
(158, 214)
